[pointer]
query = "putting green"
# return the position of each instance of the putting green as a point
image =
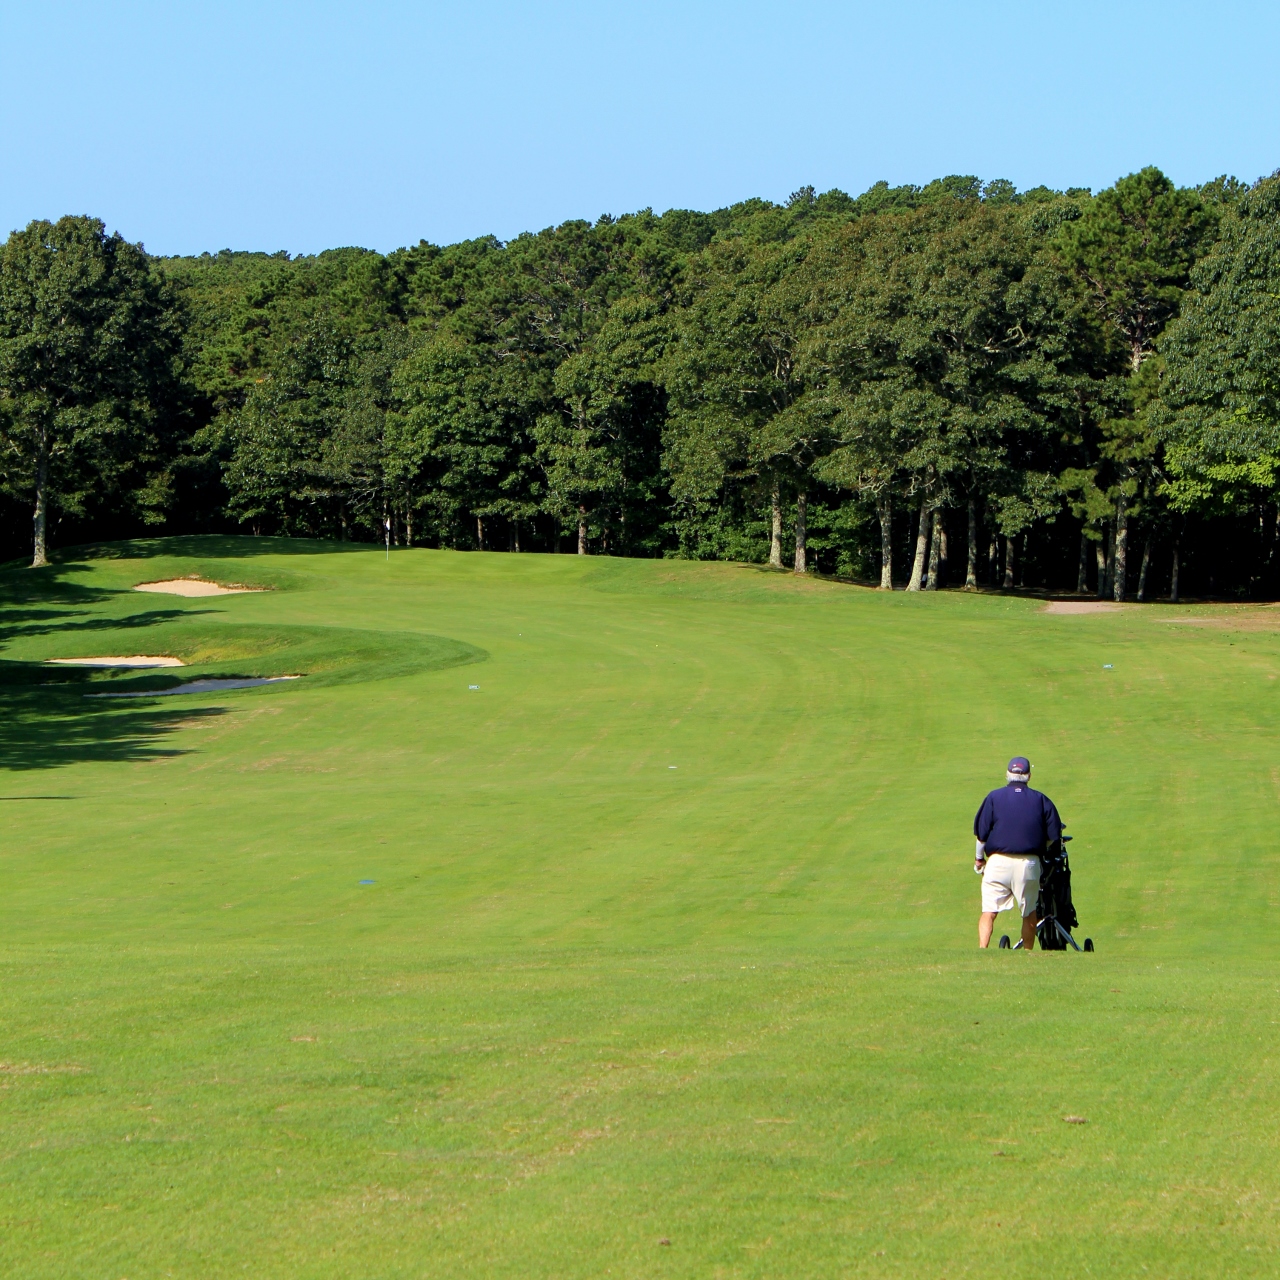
(666, 963)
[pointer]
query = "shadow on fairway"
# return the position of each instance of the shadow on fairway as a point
(43, 601)
(209, 546)
(42, 728)
(37, 622)
(221, 558)
(52, 586)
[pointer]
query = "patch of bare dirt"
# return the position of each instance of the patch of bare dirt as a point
(1082, 606)
(1248, 618)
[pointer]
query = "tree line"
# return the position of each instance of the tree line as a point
(957, 384)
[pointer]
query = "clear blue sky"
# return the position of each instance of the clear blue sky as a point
(191, 125)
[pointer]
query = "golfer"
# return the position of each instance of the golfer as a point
(1013, 828)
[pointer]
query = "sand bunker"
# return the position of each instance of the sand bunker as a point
(197, 686)
(192, 587)
(1082, 606)
(137, 661)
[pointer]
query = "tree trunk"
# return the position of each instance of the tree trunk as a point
(775, 539)
(1146, 564)
(944, 556)
(1082, 573)
(802, 532)
(40, 520)
(479, 534)
(1100, 555)
(1122, 550)
(1111, 559)
(993, 561)
(408, 527)
(1173, 580)
(922, 547)
(971, 564)
(516, 535)
(1008, 564)
(935, 550)
(884, 509)
(582, 531)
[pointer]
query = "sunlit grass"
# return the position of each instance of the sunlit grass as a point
(669, 935)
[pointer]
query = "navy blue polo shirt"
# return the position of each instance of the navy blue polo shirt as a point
(1016, 819)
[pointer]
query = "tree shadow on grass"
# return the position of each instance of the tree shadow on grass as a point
(53, 586)
(47, 600)
(44, 728)
(37, 622)
(46, 722)
(200, 546)
(210, 546)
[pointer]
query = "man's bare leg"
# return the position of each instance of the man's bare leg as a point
(986, 923)
(1029, 931)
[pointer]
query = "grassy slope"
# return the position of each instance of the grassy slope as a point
(592, 1001)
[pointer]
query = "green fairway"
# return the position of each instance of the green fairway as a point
(667, 964)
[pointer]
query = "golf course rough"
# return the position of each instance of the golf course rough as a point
(652, 956)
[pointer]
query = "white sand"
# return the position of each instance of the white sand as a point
(192, 587)
(212, 685)
(138, 660)
(1082, 606)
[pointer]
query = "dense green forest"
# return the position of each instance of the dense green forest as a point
(956, 384)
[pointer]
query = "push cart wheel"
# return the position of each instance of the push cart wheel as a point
(1004, 942)
(1088, 944)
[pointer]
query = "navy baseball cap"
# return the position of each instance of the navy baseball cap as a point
(1019, 764)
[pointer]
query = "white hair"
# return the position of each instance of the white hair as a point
(1016, 777)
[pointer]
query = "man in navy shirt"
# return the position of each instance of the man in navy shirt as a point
(1013, 828)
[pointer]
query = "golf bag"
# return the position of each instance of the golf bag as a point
(1056, 910)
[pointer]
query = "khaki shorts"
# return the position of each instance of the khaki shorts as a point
(1011, 878)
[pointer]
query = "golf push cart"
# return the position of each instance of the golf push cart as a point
(1055, 909)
